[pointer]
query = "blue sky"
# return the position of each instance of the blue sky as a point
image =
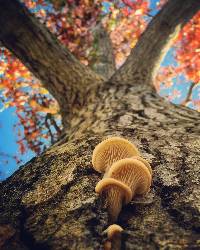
(8, 143)
(8, 118)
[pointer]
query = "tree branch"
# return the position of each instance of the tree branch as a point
(189, 94)
(62, 74)
(49, 129)
(104, 61)
(146, 56)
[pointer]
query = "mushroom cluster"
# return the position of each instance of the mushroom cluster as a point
(125, 173)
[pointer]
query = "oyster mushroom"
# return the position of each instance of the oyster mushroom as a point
(124, 179)
(117, 193)
(111, 150)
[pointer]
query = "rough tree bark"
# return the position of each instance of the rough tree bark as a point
(50, 202)
(103, 62)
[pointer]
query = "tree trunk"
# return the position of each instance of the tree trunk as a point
(103, 61)
(50, 203)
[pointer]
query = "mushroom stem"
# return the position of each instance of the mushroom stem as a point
(117, 193)
(116, 243)
(115, 198)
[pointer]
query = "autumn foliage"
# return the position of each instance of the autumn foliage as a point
(74, 22)
(188, 51)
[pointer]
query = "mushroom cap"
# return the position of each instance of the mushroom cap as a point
(112, 230)
(107, 183)
(111, 150)
(145, 162)
(133, 173)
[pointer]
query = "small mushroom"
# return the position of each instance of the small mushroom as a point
(114, 237)
(112, 230)
(111, 150)
(124, 179)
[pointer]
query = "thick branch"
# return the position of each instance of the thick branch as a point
(104, 61)
(144, 61)
(63, 75)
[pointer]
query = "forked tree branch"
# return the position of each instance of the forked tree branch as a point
(104, 60)
(145, 58)
(62, 74)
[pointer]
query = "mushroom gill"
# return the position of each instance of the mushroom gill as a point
(117, 193)
(133, 173)
(144, 162)
(111, 150)
(125, 179)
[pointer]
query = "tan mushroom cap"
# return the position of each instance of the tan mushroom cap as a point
(111, 150)
(124, 179)
(143, 161)
(113, 230)
(133, 173)
(117, 193)
(107, 183)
